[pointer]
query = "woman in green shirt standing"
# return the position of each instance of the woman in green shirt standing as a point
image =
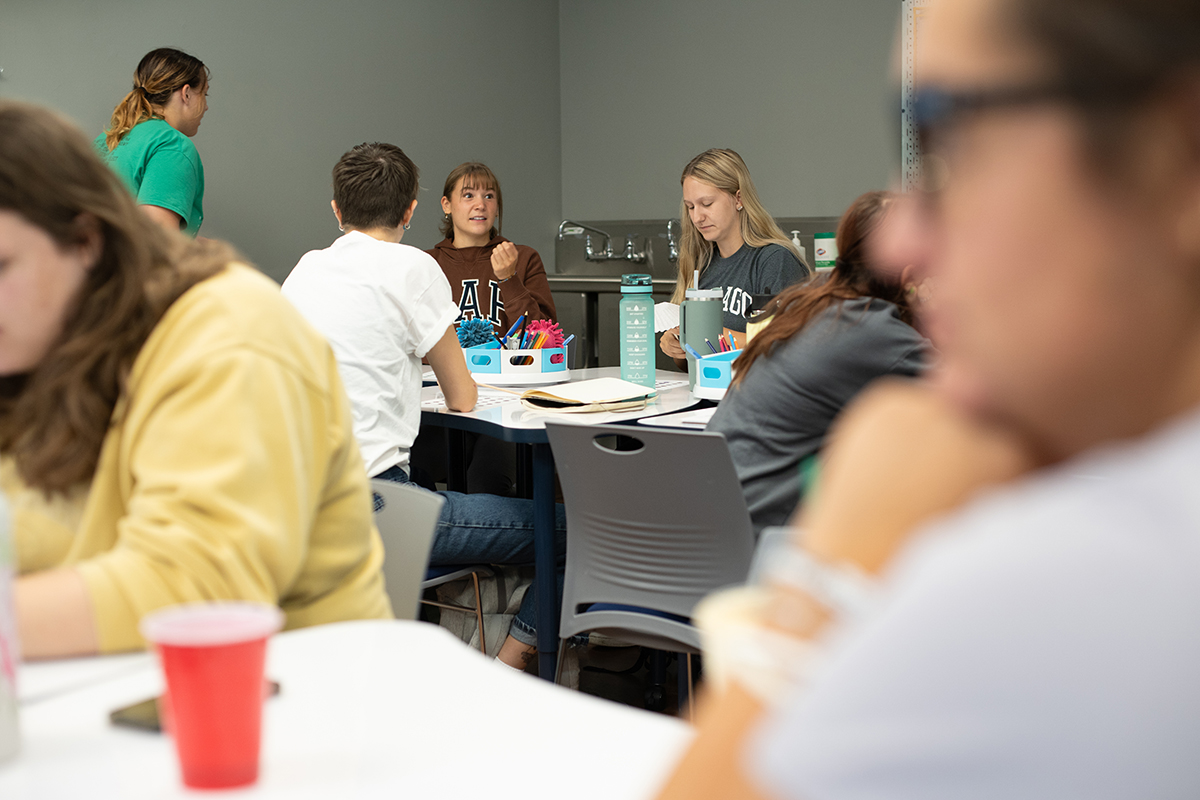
(148, 142)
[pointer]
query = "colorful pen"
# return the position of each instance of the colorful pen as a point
(692, 352)
(513, 329)
(710, 344)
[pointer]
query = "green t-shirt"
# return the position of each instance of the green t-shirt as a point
(162, 168)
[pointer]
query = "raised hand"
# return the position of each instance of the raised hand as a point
(504, 260)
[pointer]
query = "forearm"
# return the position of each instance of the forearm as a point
(450, 368)
(915, 456)
(900, 446)
(712, 766)
(54, 615)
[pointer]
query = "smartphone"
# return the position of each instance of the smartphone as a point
(143, 715)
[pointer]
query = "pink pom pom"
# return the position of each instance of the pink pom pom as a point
(553, 332)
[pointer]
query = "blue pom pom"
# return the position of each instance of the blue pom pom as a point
(474, 332)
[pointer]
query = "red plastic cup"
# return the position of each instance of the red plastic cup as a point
(212, 655)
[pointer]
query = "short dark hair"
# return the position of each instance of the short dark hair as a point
(373, 185)
(1129, 50)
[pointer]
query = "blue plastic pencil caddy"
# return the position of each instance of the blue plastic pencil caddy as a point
(715, 371)
(517, 366)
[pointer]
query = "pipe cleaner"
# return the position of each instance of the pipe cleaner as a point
(554, 335)
(474, 332)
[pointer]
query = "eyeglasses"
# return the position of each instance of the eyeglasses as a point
(934, 107)
(935, 111)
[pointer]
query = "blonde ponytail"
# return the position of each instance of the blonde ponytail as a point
(130, 111)
(159, 74)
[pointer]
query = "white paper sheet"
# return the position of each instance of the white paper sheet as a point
(596, 390)
(697, 420)
(666, 316)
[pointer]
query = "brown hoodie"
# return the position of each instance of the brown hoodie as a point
(479, 294)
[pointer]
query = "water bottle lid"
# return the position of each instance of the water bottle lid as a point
(704, 294)
(758, 302)
(636, 283)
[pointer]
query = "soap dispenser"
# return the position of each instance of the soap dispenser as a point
(799, 247)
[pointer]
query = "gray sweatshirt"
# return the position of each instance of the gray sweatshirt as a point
(781, 411)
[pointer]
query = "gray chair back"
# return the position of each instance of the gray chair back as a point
(406, 524)
(657, 526)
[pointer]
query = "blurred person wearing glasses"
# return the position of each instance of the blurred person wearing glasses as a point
(995, 590)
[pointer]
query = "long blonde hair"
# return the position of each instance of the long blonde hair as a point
(159, 74)
(725, 170)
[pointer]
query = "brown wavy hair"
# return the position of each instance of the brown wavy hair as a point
(159, 74)
(725, 170)
(852, 277)
(53, 419)
(480, 177)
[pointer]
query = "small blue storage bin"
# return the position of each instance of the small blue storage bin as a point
(544, 365)
(484, 357)
(715, 373)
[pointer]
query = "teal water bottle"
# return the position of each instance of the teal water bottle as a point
(637, 330)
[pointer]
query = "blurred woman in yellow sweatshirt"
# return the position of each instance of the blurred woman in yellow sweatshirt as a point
(172, 430)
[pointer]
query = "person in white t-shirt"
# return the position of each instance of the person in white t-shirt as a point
(384, 306)
(999, 573)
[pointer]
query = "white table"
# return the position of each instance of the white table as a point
(512, 422)
(511, 416)
(367, 709)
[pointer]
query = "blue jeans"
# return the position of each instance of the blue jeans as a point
(489, 529)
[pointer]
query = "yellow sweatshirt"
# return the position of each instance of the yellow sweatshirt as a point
(230, 472)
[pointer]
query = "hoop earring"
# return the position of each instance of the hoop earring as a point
(406, 226)
(340, 228)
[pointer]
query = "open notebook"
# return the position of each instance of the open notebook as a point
(598, 394)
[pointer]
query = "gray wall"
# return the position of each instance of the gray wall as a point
(798, 87)
(297, 83)
(584, 108)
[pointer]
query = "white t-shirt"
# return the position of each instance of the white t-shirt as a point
(382, 306)
(1044, 643)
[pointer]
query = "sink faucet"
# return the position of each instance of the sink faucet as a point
(630, 253)
(562, 227)
(672, 242)
(607, 253)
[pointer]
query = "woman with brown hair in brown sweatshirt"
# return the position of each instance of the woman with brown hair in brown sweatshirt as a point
(491, 277)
